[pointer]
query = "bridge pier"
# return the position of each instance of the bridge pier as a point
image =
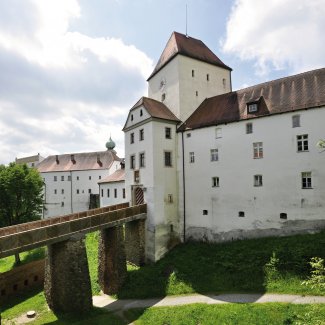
(67, 282)
(135, 242)
(111, 260)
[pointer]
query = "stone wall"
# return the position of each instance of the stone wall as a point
(21, 278)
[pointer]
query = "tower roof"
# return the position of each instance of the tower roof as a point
(187, 46)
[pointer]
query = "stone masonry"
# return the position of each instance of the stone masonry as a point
(112, 260)
(67, 283)
(135, 242)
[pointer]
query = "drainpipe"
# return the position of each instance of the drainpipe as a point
(71, 191)
(184, 205)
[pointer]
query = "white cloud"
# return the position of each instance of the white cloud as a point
(277, 34)
(62, 91)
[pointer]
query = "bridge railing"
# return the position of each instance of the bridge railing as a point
(40, 233)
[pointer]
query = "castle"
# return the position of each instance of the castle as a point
(215, 164)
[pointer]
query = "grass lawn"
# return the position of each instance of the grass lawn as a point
(237, 266)
(230, 314)
(198, 267)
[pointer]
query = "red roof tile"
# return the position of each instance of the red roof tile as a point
(187, 46)
(117, 176)
(83, 161)
(305, 90)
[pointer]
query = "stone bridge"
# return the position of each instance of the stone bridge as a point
(67, 282)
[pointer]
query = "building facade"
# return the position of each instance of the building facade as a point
(215, 164)
(71, 180)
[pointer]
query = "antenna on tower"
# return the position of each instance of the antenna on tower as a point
(186, 22)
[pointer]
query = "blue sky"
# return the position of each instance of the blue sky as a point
(71, 69)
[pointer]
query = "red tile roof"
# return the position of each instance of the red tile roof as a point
(117, 176)
(302, 91)
(155, 109)
(83, 161)
(187, 46)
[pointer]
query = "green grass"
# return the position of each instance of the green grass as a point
(229, 267)
(7, 263)
(34, 300)
(230, 314)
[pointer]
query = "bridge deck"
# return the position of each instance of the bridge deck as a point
(40, 233)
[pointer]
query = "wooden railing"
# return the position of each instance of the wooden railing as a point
(30, 235)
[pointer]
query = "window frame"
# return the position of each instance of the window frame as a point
(215, 181)
(306, 180)
(252, 107)
(302, 143)
(295, 121)
(132, 161)
(191, 157)
(141, 134)
(218, 132)
(249, 128)
(168, 132)
(214, 154)
(168, 162)
(258, 151)
(258, 180)
(142, 160)
(131, 137)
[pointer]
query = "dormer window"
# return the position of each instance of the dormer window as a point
(252, 107)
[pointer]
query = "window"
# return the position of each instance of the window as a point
(215, 181)
(224, 82)
(123, 193)
(89, 178)
(306, 180)
(89, 191)
(192, 157)
(141, 134)
(302, 142)
(77, 191)
(295, 121)
(241, 214)
(188, 135)
(168, 158)
(141, 112)
(55, 178)
(252, 107)
(77, 178)
(131, 117)
(108, 192)
(69, 178)
(163, 97)
(193, 73)
(258, 180)
(132, 137)
(141, 159)
(55, 191)
(283, 215)
(208, 77)
(115, 192)
(214, 154)
(102, 192)
(99, 177)
(62, 204)
(62, 191)
(205, 212)
(132, 162)
(258, 149)
(196, 93)
(249, 128)
(168, 133)
(218, 133)
(62, 178)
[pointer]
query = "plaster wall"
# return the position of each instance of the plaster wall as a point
(108, 198)
(185, 90)
(280, 167)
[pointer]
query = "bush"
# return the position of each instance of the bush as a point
(317, 277)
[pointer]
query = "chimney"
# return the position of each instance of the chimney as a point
(98, 161)
(57, 159)
(72, 159)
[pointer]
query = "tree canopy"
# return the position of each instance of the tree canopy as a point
(21, 194)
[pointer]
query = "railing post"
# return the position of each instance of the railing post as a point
(135, 242)
(112, 260)
(67, 282)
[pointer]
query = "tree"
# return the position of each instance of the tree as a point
(21, 195)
